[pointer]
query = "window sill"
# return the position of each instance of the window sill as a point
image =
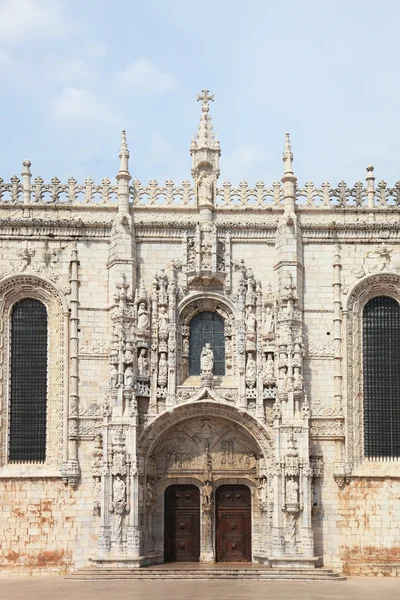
(20, 471)
(375, 468)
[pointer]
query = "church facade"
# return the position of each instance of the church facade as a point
(199, 372)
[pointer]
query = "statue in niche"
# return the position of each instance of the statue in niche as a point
(207, 359)
(128, 377)
(113, 377)
(292, 489)
(282, 379)
(119, 489)
(297, 380)
(97, 494)
(163, 366)
(143, 364)
(185, 346)
(268, 367)
(251, 320)
(269, 325)
(143, 322)
(163, 321)
(204, 188)
(207, 493)
(251, 367)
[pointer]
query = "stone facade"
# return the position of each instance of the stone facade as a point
(122, 270)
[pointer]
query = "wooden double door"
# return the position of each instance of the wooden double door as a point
(182, 523)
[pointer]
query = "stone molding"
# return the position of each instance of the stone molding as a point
(17, 288)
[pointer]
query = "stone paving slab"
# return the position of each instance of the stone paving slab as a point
(46, 588)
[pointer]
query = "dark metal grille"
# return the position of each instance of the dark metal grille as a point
(207, 328)
(27, 440)
(381, 352)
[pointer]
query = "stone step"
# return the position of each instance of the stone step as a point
(98, 574)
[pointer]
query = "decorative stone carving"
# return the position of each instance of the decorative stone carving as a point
(143, 363)
(143, 322)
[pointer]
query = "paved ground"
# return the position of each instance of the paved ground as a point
(54, 588)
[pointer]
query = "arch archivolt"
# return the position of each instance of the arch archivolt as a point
(195, 443)
(382, 284)
(12, 290)
(197, 303)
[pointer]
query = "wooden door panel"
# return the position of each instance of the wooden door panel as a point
(233, 524)
(182, 524)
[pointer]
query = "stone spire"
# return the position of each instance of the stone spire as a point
(123, 176)
(287, 157)
(205, 149)
(289, 180)
(123, 156)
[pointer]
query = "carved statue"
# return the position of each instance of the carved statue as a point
(143, 364)
(128, 377)
(204, 189)
(292, 488)
(119, 489)
(207, 493)
(113, 377)
(251, 367)
(297, 380)
(97, 493)
(185, 346)
(163, 366)
(251, 320)
(269, 324)
(282, 379)
(207, 359)
(143, 321)
(268, 367)
(163, 321)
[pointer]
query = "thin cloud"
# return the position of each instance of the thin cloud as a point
(80, 104)
(158, 145)
(76, 70)
(240, 162)
(143, 76)
(20, 20)
(96, 49)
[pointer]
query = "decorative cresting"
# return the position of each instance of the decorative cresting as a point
(205, 151)
(13, 289)
(383, 284)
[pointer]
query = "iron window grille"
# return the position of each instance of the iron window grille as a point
(381, 362)
(28, 382)
(207, 328)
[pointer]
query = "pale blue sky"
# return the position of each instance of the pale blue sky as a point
(75, 72)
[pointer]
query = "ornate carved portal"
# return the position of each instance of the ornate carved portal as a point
(209, 455)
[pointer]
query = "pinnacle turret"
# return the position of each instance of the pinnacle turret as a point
(288, 157)
(205, 148)
(123, 155)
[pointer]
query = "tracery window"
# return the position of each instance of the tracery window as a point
(381, 372)
(28, 382)
(207, 328)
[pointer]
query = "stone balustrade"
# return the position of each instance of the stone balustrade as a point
(170, 195)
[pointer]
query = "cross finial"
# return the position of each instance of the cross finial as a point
(205, 99)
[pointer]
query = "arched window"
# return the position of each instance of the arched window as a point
(207, 328)
(381, 358)
(28, 382)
